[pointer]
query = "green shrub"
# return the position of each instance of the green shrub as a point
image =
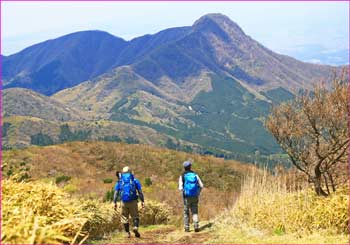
(62, 178)
(5, 127)
(109, 196)
(112, 138)
(107, 180)
(67, 135)
(24, 177)
(148, 182)
(9, 172)
(41, 139)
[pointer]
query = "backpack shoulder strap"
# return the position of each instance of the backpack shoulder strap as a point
(195, 175)
(121, 180)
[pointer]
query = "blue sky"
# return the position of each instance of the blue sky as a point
(294, 28)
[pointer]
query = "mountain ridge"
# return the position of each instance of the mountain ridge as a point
(95, 52)
(208, 84)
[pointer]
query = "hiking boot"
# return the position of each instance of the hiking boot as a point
(136, 232)
(136, 227)
(127, 235)
(187, 229)
(196, 227)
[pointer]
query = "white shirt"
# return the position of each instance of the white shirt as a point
(181, 182)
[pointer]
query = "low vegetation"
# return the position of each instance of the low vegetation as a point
(91, 164)
(242, 204)
(270, 211)
(148, 181)
(62, 178)
(107, 180)
(40, 213)
(279, 209)
(22, 131)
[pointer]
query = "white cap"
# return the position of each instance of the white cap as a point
(126, 169)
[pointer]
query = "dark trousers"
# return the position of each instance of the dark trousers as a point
(191, 204)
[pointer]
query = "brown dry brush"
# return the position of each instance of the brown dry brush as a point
(93, 160)
(41, 213)
(267, 202)
(312, 130)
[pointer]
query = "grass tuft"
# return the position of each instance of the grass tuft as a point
(41, 213)
(268, 210)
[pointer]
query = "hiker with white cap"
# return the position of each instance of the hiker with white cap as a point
(130, 190)
(191, 185)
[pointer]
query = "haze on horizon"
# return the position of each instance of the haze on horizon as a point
(316, 32)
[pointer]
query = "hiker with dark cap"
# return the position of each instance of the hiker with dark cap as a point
(130, 190)
(191, 185)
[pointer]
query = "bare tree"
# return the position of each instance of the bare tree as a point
(312, 129)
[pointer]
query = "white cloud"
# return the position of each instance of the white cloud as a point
(315, 61)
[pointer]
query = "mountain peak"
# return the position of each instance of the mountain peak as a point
(217, 20)
(216, 17)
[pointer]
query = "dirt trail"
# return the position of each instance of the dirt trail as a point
(162, 235)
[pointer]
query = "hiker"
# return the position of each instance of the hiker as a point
(129, 189)
(191, 185)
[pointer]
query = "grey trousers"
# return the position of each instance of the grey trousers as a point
(191, 203)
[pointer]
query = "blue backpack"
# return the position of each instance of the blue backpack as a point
(191, 186)
(128, 188)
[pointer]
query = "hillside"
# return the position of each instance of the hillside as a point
(101, 94)
(25, 102)
(270, 148)
(23, 131)
(240, 204)
(88, 164)
(209, 85)
(239, 128)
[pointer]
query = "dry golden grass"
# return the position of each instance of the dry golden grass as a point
(270, 210)
(41, 213)
(88, 163)
(266, 202)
